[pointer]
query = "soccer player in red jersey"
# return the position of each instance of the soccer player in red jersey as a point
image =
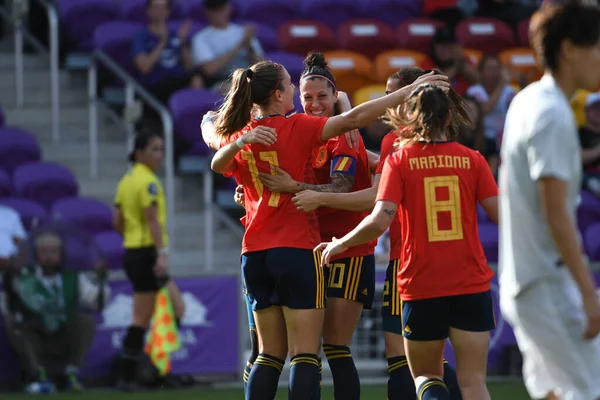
(444, 278)
(400, 383)
(280, 270)
(338, 168)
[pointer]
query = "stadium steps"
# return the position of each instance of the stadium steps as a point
(73, 151)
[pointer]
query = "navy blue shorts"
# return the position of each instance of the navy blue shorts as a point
(391, 311)
(284, 276)
(431, 319)
(352, 278)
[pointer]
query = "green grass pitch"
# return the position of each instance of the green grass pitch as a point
(498, 391)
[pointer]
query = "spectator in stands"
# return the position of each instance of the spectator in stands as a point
(45, 321)
(472, 136)
(449, 11)
(223, 46)
(161, 56)
(589, 137)
(447, 56)
(12, 234)
(495, 94)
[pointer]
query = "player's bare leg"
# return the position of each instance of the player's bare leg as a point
(305, 330)
(264, 377)
(425, 359)
(471, 349)
(341, 319)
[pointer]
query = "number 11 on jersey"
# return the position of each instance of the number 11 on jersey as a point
(266, 156)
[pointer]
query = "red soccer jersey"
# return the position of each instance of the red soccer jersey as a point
(387, 148)
(336, 156)
(437, 187)
(272, 219)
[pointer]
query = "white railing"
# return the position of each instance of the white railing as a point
(132, 88)
(19, 11)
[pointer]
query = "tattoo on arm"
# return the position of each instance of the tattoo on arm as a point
(389, 212)
(340, 183)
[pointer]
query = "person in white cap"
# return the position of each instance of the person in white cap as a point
(547, 291)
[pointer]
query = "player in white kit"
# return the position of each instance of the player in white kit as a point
(547, 292)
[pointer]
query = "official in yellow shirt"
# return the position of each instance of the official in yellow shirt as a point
(141, 217)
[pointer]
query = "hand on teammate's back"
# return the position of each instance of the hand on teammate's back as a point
(352, 138)
(261, 134)
(330, 249)
(279, 181)
(307, 200)
(591, 306)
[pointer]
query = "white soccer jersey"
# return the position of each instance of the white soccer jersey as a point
(540, 140)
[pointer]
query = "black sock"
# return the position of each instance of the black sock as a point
(304, 377)
(401, 385)
(346, 383)
(264, 378)
(251, 358)
(133, 344)
(433, 389)
(451, 382)
(320, 376)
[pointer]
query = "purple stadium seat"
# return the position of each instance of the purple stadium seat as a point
(44, 182)
(2, 117)
(5, 186)
(89, 214)
(188, 106)
(135, 10)
(32, 214)
(270, 12)
(17, 147)
(488, 234)
(194, 10)
(330, 12)
(115, 38)
(588, 212)
(267, 36)
(79, 19)
(591, 240)
(391, 12)
(291, 62)
(111, 248)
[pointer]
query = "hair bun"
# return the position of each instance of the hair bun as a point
(317, 60)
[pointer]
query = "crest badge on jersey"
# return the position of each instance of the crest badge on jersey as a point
(321, 157)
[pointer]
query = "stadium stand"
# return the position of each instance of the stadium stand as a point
(365, 42)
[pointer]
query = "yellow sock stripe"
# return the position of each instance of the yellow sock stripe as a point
(306, 360)
(336, 352)
(260, 360)
(429, 384)
(397, 365)
(338, 356)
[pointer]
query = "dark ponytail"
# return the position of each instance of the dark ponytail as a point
(254, 85)
(315, 67)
